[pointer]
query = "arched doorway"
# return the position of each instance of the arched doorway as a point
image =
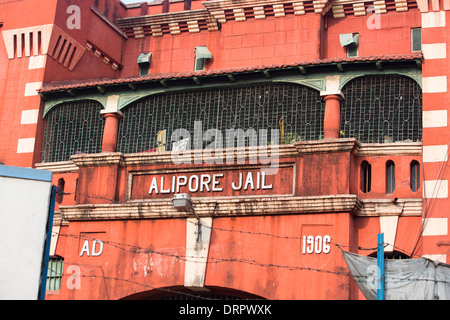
(183, 293)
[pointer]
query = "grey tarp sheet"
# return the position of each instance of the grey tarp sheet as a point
(409, 279)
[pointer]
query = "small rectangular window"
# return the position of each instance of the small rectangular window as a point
(143, 69)
(416, 39)
(54, 274)
(352, 51)
(199, 64)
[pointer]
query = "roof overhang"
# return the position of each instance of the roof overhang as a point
(199, 78)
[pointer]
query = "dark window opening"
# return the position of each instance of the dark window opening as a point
(143, 69)
(390, 176)
(366, 177)
(415, 176)
(76, 190)
(60, 191)
(392, 255)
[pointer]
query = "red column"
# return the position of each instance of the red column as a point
(332, 119)
(110, 132)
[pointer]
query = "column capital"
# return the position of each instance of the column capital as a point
(332, 95)
(115, 113)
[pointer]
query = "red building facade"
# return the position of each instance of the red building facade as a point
(298, 129)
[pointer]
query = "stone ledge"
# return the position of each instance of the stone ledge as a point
(386, 207)
(394, 148)
(327, 146)
(284, 151)
(98, 159)
(59, 167)
(235, 207)
(207, 207)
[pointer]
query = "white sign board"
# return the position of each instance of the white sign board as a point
(24, 214)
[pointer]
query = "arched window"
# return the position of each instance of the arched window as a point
(295, 112)
(379, 109)
(365, 176)
(390, 176)
(72, 128)
(415, 176)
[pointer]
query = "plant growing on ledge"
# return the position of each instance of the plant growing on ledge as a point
(291, 138)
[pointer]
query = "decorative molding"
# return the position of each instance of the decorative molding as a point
(433, 5)
(328, 146)
(98, 159)
(64, 49)
(211, 207)
(341, 8)
(168, 23)
(58, 167)
(215, 13)
(387, 149)
(284, 151)
(18, 41)
(106, 59)
(220, 207)
(386, 207)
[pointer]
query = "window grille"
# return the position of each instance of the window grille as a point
(72, 128)
(380, 109)
(54, 274)
(416, 39)
(295, 111)
(390, 177)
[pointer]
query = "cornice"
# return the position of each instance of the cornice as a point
(386, 207)
(217, 12)
(98, 159)
(207, 207)
(156, 25)
(284, 151)
(327, 146)
(386, 149)
(231, 207)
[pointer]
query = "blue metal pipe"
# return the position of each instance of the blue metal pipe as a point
(380, 267)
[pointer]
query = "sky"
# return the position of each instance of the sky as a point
(132, 1)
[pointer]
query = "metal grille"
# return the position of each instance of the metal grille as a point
(381, 109)
(72, 128)
(296, 111)
(54, 274)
